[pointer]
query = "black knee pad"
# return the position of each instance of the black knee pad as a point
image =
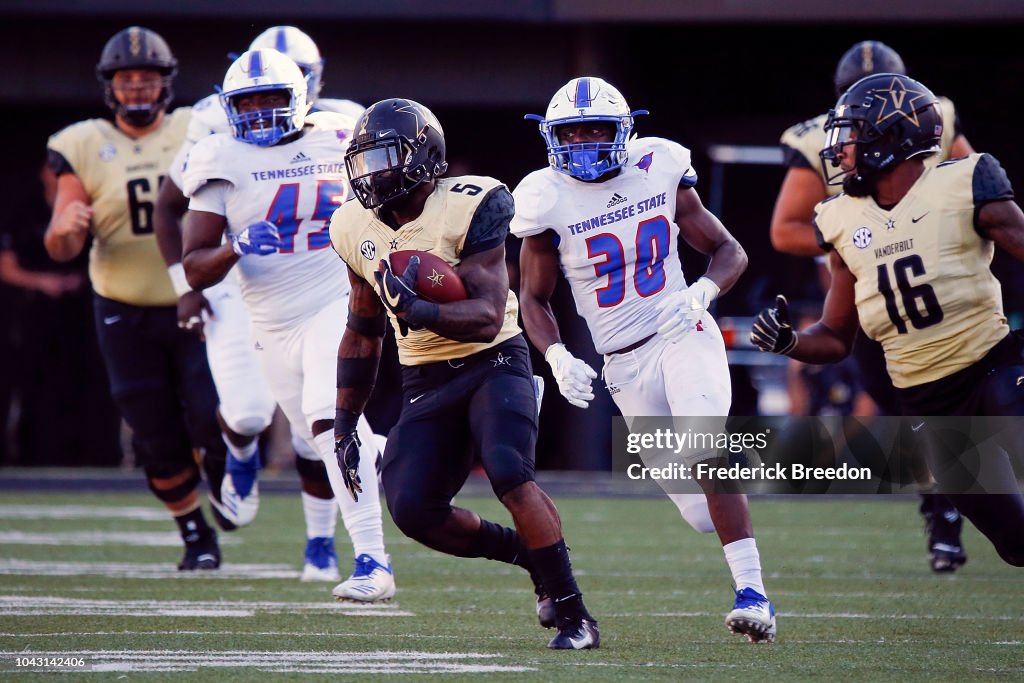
(167, 471)
(165, 451)
(311, 470)
(507, 468)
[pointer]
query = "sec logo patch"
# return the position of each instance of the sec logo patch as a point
(368, 249)
(862, 238)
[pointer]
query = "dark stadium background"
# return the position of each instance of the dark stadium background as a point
(739, 73)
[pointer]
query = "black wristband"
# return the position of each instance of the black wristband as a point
(345, 422)
(368, 326)
(357, 373)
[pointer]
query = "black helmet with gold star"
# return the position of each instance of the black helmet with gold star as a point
(889, 118)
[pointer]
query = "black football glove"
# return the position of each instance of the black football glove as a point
(772, 330)
(400, 296)
(346, 450)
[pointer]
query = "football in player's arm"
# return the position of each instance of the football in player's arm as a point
(466, 376)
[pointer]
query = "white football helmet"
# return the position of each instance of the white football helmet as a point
(303, 51)
(260, 71)
(580, 100)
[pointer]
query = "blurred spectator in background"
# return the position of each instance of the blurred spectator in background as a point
(51, 363)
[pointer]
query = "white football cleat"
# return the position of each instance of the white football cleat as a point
(370, 582)
(753, 615)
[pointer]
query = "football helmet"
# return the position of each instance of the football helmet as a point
(303, 51)
(888, 118)
(587, 99)
(260, 71)
(137, 48)
(397, 145)
(863, 59)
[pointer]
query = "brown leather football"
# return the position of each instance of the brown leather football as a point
(436, 280)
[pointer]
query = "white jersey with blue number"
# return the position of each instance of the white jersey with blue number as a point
(297, 186)
(616, 239)
(209, 117)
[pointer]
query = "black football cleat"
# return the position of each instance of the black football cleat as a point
(943, 523)
(201, 553)
(576, 634)
(946, 559)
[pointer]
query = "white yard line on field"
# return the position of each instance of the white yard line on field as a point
(139, 513)
(140, 570)
(93, 538)
(39, 605)
(324, 662)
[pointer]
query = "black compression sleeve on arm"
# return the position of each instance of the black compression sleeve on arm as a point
(357, 373)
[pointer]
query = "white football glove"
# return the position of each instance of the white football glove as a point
(681, 311)
(572, 374)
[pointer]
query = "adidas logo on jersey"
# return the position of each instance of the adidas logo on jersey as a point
(616, 200)
(299, 158)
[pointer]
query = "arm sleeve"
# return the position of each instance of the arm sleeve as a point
(489, 226)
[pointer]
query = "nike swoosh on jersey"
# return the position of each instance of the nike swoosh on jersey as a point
(914, 220)
(413, 400)
(110, 320)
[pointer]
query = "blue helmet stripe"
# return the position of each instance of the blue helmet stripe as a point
(280, 44)
(583, 98)
(255, 64)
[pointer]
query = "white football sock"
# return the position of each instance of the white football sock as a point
(745, 564)
(362, 519)
(321, 516)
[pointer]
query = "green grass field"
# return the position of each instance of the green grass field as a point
(92, 576)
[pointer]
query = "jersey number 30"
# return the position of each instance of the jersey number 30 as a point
(652, 246)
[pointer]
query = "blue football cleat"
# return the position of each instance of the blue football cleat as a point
(753, 615)
(321, 560)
